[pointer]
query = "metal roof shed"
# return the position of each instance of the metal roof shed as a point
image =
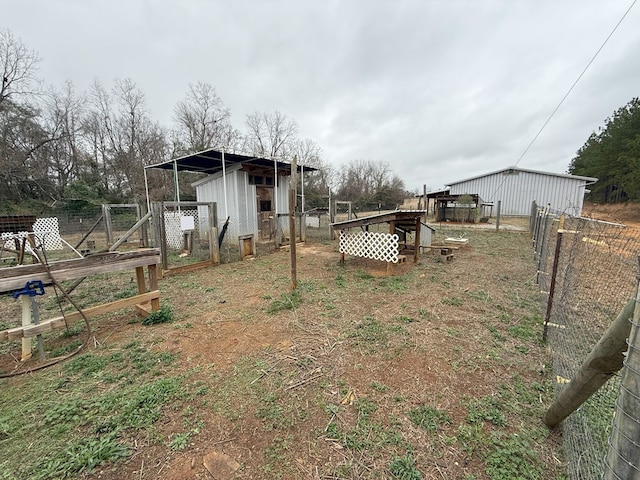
(250, 190)
(516, 188)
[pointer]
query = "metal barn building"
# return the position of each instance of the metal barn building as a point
(516, 188)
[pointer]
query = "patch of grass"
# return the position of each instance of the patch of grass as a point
(395, 284)
(471, 438)
(486, 409)
(512, 457)
(404, 468)
(369, 334)
(340, 282)
(287, 301)
(404, 319)
(363, 275)
(73, 331)
(429, 418)
(81, 455)
(70, 347)
(164, 315)
(528, 329)
(379, 387)
(496, 334)
(453, 301)
(277, 464)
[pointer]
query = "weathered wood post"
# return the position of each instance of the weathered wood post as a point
(603, 362)
(498, 215)
(292, 222)
(623, 459)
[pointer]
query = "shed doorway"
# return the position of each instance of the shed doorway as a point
(265, 212)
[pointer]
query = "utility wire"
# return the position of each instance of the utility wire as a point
(576, 82)
(584, 70)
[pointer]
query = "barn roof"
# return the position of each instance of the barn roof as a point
(517, 169)
(210, 162)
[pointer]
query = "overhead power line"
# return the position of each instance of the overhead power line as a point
(575, 83)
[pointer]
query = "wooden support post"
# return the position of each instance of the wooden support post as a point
(622, 457)
(142, 288)
(417, 241)
(153, 286)
(26, 321)
(106, 213)
(602, 363)
(214, 250)
(498, 215)
(292, 223)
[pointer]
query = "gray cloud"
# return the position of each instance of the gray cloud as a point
(441, 90)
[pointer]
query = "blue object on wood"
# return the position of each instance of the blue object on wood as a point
(32, 288)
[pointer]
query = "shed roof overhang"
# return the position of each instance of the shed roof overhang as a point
(210, 162)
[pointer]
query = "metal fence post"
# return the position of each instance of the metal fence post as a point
(554, 274)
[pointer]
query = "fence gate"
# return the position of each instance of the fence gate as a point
(185, 232)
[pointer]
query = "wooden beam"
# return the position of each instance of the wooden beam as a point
(14, 278)
(59, 322)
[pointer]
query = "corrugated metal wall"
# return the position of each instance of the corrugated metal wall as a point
(241, 202)
(517, 189)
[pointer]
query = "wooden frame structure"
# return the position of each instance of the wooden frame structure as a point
(15, 278)
(400, 222)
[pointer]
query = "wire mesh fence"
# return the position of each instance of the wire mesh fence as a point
(587, 273)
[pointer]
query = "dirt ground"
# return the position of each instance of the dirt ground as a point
(446, 333)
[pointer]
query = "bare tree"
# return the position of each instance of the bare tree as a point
(368, 182)
(17, 67)
(271, 135)
(63, 119)
(202, 120)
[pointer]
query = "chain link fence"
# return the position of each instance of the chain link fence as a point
(586, 270)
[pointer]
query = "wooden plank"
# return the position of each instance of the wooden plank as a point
(187, 268)
(59, 322)
(14, 278)
(143, 310)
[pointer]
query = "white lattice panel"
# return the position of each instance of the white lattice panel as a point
(47, 230)
(172, 229)
(378, 246)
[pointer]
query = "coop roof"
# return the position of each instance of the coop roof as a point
(210, 162)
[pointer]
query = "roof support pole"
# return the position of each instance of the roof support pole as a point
(175, 179)
(224, 185)
(302, 186)
(275, 189)
(146, 188)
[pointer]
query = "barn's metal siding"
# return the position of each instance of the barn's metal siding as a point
(518, 189)
(240, 196)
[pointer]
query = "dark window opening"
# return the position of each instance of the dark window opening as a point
(265, 205)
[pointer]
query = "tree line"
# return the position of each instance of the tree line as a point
(612, 155)
(64, 146)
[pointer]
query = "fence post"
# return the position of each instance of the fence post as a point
(600, 365)
(498, 215)
(622, 460)
(532, 216)
(554, 274)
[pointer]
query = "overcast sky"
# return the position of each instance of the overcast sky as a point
(441, 90)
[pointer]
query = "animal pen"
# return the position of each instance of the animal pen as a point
(587, 271)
